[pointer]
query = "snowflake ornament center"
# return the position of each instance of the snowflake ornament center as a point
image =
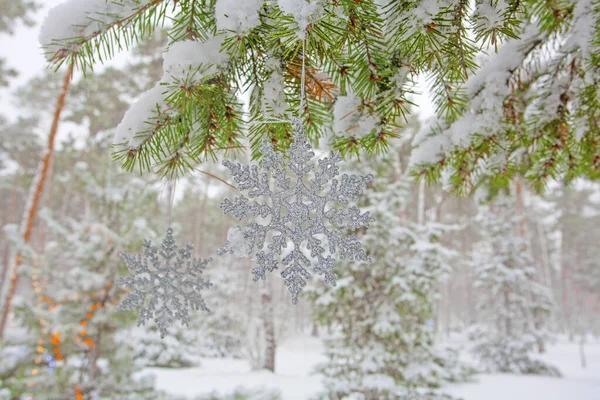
(303, 204)
(164, 283)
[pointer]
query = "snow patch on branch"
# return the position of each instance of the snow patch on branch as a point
(75, 19)
(350, 118)
(274, 89)
(417, 19)
(237, 16)
(136, 120)
(584, 27)
(182, 58)
(490, 16)
(305, 12)
(487, 90)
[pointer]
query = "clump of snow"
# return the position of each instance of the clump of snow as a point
(237, 16)
(487, 91)
(417, 19)
(80, 18)
(584, 27)
(135, 121)
(274, 89)
(81, 165)
(184, 57)
(238, 242)
(490, 16)
(350, 119)
(305, 12)
(429, 149)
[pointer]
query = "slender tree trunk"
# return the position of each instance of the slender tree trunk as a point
(35, 196)
(269, 328)
(11, 210)
(547, 273)
(421, 203)
(507, 321)
(199, 228)
(315, 329)
(564, 287)
(582, 350)
(538, 318)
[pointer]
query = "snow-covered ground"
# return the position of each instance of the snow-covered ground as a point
(296, 359)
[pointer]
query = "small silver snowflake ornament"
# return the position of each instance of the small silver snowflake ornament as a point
(164, 283)
(308, 209)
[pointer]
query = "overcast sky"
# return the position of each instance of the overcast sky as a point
(22, 50)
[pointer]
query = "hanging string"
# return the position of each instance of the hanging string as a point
(303, 82)
(170, 200)
(275, 120)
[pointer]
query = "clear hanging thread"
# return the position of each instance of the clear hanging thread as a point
(171, 200)
(275, 120)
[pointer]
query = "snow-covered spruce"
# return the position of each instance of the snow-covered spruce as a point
(513, 307)
(298, 213)
(165, 289)
(382, 345)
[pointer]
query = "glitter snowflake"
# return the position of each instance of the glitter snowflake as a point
(164, 283)
(309, 210)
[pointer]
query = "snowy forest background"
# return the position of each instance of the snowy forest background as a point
(458, 286)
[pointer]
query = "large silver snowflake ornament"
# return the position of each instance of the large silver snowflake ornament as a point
(164, 283)
(309, 209)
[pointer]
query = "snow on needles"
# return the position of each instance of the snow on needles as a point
(486, 90)
(583, 28)
(237, 16)
(349, 118)
(305, 12)
(182, 59)
(79, 18)
(135, 122)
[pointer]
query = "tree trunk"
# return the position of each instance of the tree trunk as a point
(315, 329)
(269, 328)
(421, 203)
(582, 350)
(199, 228)
(35, 196)
(538, 318)
(11, 211)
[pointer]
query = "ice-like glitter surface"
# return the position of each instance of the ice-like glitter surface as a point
(309, 209)
(164, 283)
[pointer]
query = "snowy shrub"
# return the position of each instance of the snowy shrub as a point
(507, 355)
(513, 306)
(244, 394)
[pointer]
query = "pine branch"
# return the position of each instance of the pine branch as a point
(119, 34)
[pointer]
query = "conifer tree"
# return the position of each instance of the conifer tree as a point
(64, 339)
(382, 315)
(513, 307)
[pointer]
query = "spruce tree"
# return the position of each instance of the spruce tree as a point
(513, 307)
(64, 338)
(382, 315)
